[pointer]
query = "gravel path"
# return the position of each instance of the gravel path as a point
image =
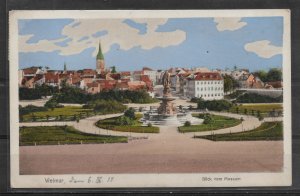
(167, 152)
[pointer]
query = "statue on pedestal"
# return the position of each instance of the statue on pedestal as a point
(167, 107)
(166, 83)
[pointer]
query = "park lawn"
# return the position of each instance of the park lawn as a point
(263, 108)
(137, 127)
(267, 131)
(218, 122)
(64, 111)
(54, 135)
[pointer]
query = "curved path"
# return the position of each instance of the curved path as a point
(87, 125)
(249, 123)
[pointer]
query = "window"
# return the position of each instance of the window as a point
(204, 82)
(208, 95)
(201, 89)
(204, 95)
(201, 82)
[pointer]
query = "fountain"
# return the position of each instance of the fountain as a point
(167, 114)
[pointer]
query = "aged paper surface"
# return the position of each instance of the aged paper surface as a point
(62, 41)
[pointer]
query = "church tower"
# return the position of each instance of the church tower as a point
(100, 64)
(65, 67)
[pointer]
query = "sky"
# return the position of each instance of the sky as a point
(254, 43)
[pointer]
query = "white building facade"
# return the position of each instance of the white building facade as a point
(209, 86)
(151, 74)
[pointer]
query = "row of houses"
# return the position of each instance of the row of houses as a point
(86, 79)
(209, 84)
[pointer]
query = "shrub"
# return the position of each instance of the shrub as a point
(124, 120)
(260, 118)
(207, 119)
(255, 98)
(149, 124)
(216, 105)
(130, 113)
(126, 96)
(31, 109)
(187, 123)
(29, 94)
(51, 104)
(105, 106)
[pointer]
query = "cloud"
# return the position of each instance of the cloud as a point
(230, 24)
(118, 32)
(263, 48)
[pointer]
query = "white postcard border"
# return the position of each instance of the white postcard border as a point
(147, 180)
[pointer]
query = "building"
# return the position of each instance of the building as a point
(136, 75)
(52, 79)
(93, 88)
(100, 64)
(151, 73)
(207, 85)
(250, 81)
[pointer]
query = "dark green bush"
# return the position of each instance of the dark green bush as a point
(216, 105)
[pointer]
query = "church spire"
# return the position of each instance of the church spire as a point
(65, 66)
(100, 55)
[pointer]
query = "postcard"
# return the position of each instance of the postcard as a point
(150, 98)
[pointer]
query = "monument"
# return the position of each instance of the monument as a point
(167, 106)
(167, 114)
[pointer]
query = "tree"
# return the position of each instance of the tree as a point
(228, 84)
(262, 75)
(274, 75)
(237, 110)
(113, 69)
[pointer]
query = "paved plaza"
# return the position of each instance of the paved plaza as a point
(166, 152)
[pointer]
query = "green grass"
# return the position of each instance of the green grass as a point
(56, 112)
(54, 135)
(267, 131)
(135, 128)
(263, 108)
(218, 122)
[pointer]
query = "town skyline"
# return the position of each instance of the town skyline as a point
(258, 46)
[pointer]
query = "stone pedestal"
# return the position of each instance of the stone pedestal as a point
(167, 107)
